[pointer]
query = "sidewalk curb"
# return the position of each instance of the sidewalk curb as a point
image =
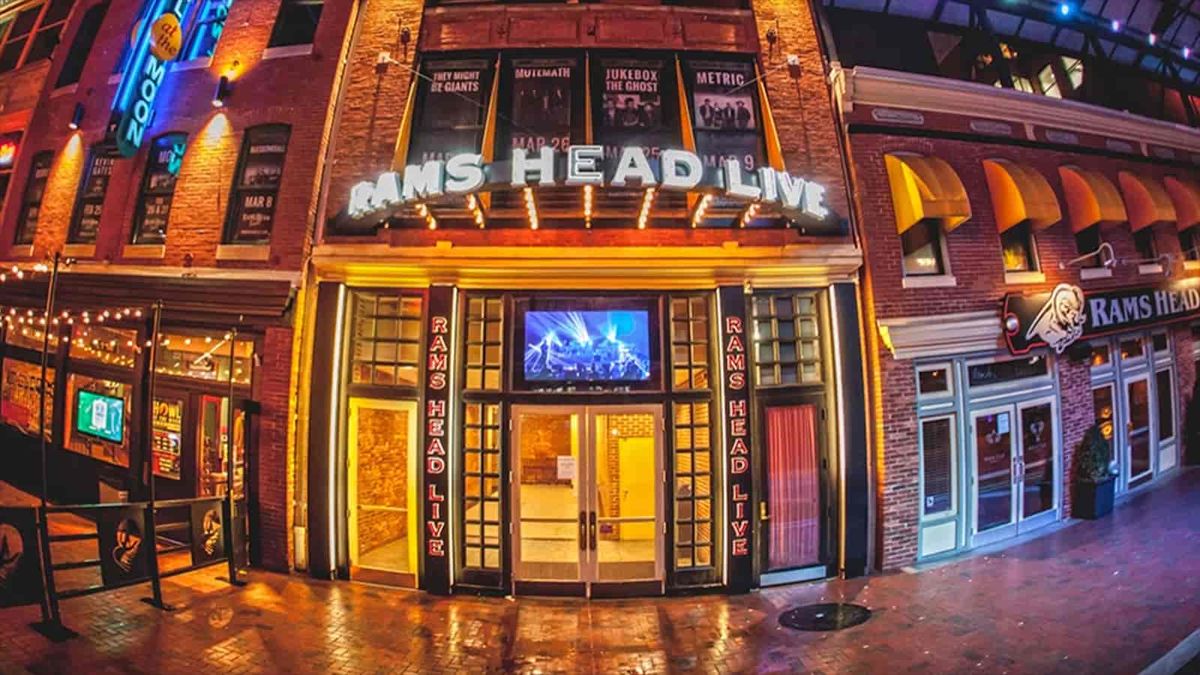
(1173, 661)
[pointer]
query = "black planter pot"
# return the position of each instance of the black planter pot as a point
(1094, 500)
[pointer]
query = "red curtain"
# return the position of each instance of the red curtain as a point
(793, 487)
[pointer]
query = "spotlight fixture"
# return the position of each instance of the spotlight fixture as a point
(1152, 38)
(76, 117)
(1116, 26)
(224, 89)
(1064, 8)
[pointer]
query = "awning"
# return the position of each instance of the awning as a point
(926, 188)
(1185, 195)
(1145, 200)
(1091, 198)
(1020, 194)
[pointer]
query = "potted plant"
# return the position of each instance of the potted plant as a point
(1094, 481)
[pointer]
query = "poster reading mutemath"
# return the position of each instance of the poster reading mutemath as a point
(541, 103)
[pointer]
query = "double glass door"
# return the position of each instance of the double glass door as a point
(1015, 469)
(587, 499)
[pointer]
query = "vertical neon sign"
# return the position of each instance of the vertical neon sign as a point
(133, 105)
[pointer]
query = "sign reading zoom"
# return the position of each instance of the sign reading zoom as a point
(1061, 317)
(156, 41)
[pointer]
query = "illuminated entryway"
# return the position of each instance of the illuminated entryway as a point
(587, 495)
(382, 491)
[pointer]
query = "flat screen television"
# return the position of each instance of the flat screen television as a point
(100, 416)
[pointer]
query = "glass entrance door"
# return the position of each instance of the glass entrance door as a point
(587, 495)
(793, 518)
(1016, 469)
(1137, 429)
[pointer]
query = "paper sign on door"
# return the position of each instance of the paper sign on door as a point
(1002, 423)
(566, 467)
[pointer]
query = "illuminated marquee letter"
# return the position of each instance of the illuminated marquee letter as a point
(769, 185)
(735, 186)
(464, 173)
(633, 164)
(423, 181)
(360, 199)
(543, 166)
(814, 200)
(681, 170)
(583, 165)
(387, 191)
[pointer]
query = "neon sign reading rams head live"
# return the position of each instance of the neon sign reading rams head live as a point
(678, 170)
(134, 102)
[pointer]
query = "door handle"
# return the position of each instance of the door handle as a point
(593, 531)
(583, 539)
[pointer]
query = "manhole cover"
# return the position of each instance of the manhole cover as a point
(826, 616)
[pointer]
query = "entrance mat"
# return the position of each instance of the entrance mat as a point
(824, 617)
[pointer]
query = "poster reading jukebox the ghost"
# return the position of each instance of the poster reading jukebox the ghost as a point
(637, 106)
(543, 93)
(452, 105)
(723, 96)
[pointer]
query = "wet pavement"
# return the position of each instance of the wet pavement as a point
(1110, 596)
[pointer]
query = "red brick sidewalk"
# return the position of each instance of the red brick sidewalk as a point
(1109, 596)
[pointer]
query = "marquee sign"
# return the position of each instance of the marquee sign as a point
(1061, 317)
(732, 300)
(156, 42)
(672, 169)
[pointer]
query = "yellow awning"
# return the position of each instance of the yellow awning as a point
(1091, 198)
(926, 188)
(1020, 194)
(1185, 195)
(1145, 200)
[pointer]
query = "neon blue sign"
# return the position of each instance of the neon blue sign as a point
(133, 106)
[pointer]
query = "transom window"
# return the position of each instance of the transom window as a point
(386, 339)
(787, 340)
(689, 342)
(485, 343)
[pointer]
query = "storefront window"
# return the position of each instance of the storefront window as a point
(205, 356)
(689, 342)
(922, 244)
(1100, 355)
(482, 493)
(1132, 349)
(982, 374)
(787, 339)
(168, 439)
(933, 381)
(85, 223)
(1165, 390)
(485, 343)
(212, 444)
(19, 397)
(1020, 255)
(937, 465)
(98, 418)
(693, 486)
(386, 339)
(100, 344)
(28, 337)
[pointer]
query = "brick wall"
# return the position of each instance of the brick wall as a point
(275, 477)
(974, 254)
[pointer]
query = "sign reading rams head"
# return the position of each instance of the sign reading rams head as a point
(1061, 317)
(156, 42)
(677, 170)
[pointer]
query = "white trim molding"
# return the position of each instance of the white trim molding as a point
(930, 281)
(897, 89)
(914, 337)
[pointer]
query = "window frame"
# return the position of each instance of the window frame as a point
(82, 44)
(1172, 402)
(229, 236)
(138, 235)
(1145, 244)
(36, 30)
(948, 368)
(96, 152)
(952, 512)
(277, 39)
(1189, 243)
(943, 259)
(1032, 259)
(28, 202)
(200, 19)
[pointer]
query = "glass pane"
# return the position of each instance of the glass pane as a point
(1139, 428)
(548, 495)
(212, 438)
(933, 381)
(937, 465)
(1132, 349)
(993, 448)
(1166, 410)
(922, 250)
(1102, 402)
(1100, 355)
(626, 496)
(1037, 457)
(382, 451)
(793, 487)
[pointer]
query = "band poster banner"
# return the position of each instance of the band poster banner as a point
(20, 572)
(636, 106)
(542, 102)
(123, 552)
(1067, 314)
(208, 535)
(725, 113)
(452, 105)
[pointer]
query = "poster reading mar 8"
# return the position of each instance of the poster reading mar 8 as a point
(637, 106)
(725, 112)
(123, 544)
(542, 97)
(20, 572)
(452, 106)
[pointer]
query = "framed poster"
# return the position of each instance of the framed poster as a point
(208, 531)
(167, 445)
(451, 108)
(256, 187)
(158, 188)
(85, 223)
(123, 543)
